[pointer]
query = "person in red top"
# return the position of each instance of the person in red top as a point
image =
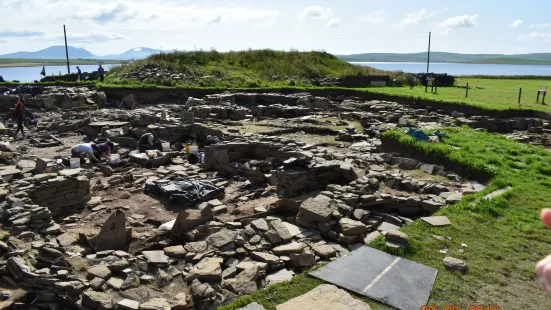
(18, 116)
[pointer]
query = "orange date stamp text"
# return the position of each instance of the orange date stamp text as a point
(455, 307)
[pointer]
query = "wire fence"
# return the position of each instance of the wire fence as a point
(513, 92)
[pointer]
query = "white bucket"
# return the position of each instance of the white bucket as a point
(115, 159)
(192, 149)
(166, 146)
(75, 163)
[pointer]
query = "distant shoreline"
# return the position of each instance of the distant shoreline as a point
(476, 62)
(21, 62)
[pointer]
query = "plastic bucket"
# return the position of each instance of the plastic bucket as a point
(115, 159)
(192, 149)
(165, 146)
(74, 163)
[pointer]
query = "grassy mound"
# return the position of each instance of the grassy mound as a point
(252, 68)
(504, 236)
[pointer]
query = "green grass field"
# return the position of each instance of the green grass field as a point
(498, 94)
(23, 62)
(504, 236)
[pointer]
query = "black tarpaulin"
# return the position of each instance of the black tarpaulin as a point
(184, 191)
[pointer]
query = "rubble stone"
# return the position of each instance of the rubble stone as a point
(96, 300)
(128, 304)
(316, 209)
(155, 304)
(351, 227)
(208, 270)
(324, 251)
(156, 257)
(325, 297)
(293, 247)
(100, 271)
(303, 259)
(452, 263)
(176, 251)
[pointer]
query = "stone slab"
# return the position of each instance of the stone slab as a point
(324, 297)
(437, 220)
(498, 192)
(392, 280)
(253, 306)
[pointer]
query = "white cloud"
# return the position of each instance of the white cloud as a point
(516, 23)
(535, 35)
(334, 22)
(374, 18)
(461, 21)
(120, 15)
(316, 12)
(417, 17)
(541, 26)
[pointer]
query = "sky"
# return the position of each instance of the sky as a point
(338, 27)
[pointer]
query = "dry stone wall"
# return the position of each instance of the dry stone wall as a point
(59, 193)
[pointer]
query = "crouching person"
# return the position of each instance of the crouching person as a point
(86, 150)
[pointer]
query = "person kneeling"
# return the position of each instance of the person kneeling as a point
(146, 142)
(86, 149)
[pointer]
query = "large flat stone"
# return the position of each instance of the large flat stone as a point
(208, 270)
(280, 276)
(175, 251)
(324, 297)
(351, 227)
(128, 304)
(156, 257)
(324, 250)
(265, 257)
(281, 231)
(221, 239)
(95, 300)
(316, 209)
(115, 283)
(293, 247)
(100, 271)
(303, 259)
(393, 280)
(294, 230)
(253, 306)
(196, 247)
(437, 220)
(260, 224)
(155, 304)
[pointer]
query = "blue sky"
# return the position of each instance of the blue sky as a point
(339, 27)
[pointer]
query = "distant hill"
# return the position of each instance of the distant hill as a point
(535, 58)
(135, 53)
(58, 52)
(53, 52)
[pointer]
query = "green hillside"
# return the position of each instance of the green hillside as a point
(535, 58)
(250, 68)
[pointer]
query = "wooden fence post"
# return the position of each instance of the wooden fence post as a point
(519, 94)
(467, 90)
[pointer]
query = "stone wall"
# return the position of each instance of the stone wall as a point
(219, 112)
(60, 192)
(62, 97)
(293, 183)
(222, 156)
(504, 124)
(179, 133)
(69, 125)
